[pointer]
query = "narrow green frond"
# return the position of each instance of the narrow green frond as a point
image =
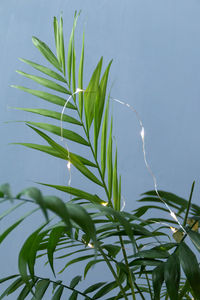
(11, 209)
(46, 96)
(86, 172)
(100, 100)
(46, 83)
(61, 46)
(74, 70)
(40, 289)
(57, 295)
(90, 94)
(115, 185)
(57, 38)
(46, 52)
(158, 279)
(44, 70)
(190, 267)
(104, 139)
(14, 225)
(110, 162)
(53, 240)
(76, 192)
(172, 276)
(80, 78)
(76, 260)
(51, 114)
(60, 154)
(67, 134)
(88, 266)
(70, 50)
(24, 255)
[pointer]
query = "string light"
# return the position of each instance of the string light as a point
(104, 203)
(142, 134)
(90, 245)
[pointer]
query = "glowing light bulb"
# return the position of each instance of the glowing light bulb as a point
(69, 165)
(142, 133)
(173, 229)
(104, 203)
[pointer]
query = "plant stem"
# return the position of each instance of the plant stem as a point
(147, 279)
(113, 272)
(127, 266)
(139, 291)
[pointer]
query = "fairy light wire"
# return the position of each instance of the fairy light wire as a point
(142, 134)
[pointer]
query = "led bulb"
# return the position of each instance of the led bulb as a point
(142, 133)
(69, 165)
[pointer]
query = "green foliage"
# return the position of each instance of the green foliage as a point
(142, 255)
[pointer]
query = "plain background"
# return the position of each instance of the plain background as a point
(155, 45)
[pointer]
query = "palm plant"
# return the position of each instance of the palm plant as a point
(145, 260)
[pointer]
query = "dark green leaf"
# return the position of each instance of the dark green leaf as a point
(8, 278)
(195, 238)
(94, 287)
(153, 253)
(75, 281)
(58, 293)
(81, 217)
(190, 267)
(89, 265)
(35, 194)
(74, 295)
(12, 287)
(24, 254)
(54, 238)
(57, 206)
(75, 260)
(40, 289)
(26, 290)
(113, 250)
(172, 276)
(105, 289)
(158, 278)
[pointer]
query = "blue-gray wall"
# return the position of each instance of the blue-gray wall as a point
(155, 45)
